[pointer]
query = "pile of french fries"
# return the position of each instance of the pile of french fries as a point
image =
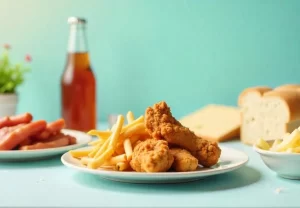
(289, 143)
(113, 148)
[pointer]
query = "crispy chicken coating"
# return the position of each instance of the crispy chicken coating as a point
(151, 155)
(183, 160)
(160, 124)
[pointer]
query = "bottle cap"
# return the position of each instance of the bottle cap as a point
(76, 20)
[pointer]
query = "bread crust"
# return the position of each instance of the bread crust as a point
(288, 87)
(292, 100)
(261, 90)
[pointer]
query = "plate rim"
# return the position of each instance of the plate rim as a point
(180, 175)
(49, 150)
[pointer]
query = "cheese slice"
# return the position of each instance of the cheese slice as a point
(214, 122)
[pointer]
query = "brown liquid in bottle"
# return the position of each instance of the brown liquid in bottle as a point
(78, 90)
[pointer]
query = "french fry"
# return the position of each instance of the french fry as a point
(289, 141)
(86, 160)
(120, 148)
(121, 166)
(133, 123)
(102, 158)
(135, 129)
(99, 148)
(101, 134)
(108, 166)
(298, 144)
(113, 161)
(114, 147)
(105, 151)
(130, 117)
(96, 142)
(275, 144)
(116, 134)
(133, 139)
(262, 144)
(295, 149)
(113, 127)
(117, 159)
(128, 149)
(102, 148)
(79, 153)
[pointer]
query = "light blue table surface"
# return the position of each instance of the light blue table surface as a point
(48, 183)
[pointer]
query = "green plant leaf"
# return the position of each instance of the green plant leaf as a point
(11, 75)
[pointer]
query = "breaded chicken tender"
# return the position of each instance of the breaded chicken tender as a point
(151, 155)
(183, 160)
(160, 124)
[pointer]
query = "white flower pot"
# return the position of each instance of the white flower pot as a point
(8, 104)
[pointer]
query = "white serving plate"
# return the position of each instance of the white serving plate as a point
(230, 160)
(21, 155)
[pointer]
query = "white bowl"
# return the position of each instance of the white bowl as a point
(286, 165)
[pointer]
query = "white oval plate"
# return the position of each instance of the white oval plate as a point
(230, 160)
(20, 155)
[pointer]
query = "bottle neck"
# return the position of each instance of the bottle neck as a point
(77, 39)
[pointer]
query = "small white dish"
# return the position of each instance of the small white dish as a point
(286, 165)
(22, 155)
(230, 160)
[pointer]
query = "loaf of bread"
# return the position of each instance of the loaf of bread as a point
(269, 113)
(288, 87)
(214, 122)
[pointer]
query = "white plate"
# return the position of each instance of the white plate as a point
(230, 160)
(20, 155)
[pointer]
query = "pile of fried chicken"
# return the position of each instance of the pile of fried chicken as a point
(21, 133)
(172, 146)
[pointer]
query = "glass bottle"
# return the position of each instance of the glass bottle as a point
(78, 84)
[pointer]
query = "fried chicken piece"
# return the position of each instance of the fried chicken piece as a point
(15, 135)
(151, 155)
(183, 160)
(160, 124)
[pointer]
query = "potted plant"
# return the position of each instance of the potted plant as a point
(11, 77)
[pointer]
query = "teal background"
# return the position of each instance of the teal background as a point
(187, 52)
